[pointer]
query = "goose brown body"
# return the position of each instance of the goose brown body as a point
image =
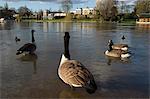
(115, 53)
(119, 46)
(74, 73)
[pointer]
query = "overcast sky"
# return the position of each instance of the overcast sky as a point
(36, 5)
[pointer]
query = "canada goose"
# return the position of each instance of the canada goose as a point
(72, 72)
(123, 37)
(17, 39)
(117, 53)
(27, 48)
(118, 46)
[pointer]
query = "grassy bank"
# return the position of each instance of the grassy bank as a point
(125, 23)
(60, 20)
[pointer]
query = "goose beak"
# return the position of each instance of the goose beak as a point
(32, 31)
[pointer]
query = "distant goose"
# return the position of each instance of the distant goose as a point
(27, 48)
(73, 73)
(117, 53)
(123, 37)
(17, 39)
(118, 46)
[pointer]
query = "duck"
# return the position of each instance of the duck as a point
(73, 72)
(117, 53)
(118, 46)
(27, 48)
(17, 39)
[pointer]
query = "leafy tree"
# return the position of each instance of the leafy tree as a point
(114, 13)
(142, 6)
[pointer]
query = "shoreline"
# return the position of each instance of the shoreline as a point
(131, 22)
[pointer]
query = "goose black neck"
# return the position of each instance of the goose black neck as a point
(109, 48)
(110, 43)
(33, 40)
(66, 45)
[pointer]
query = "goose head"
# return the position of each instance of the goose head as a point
(110, 43)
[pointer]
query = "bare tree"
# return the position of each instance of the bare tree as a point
(66, 5)
(24, 11)
(105, 7)
(142, 6)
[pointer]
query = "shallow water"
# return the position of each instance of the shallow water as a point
(35, 76)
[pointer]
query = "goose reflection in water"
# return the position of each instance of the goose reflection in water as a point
(111, 60)
(30, 58)
(69, 93)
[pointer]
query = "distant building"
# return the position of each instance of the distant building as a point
(143, 18)
(51, 15)
(78, 11)
(45, 14)
(56, 15)
(85, 12)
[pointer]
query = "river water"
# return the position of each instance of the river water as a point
(35, 76)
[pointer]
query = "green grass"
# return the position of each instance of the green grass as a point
(61, 20)
(127, 22)
(123, 23)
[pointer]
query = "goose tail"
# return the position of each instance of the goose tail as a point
(91, 87)
(19, 52)
(127, 55)
(124, 48)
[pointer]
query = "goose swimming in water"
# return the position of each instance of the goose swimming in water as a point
(117, 52)
(118, 46)
(28, 48)
(123, 37)
(73, 73)
(17, 39)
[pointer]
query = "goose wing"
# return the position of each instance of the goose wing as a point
(120, 45)
(27, 47)
(74, 73)
(115, 53)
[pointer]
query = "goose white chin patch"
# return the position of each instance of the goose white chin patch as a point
(63, 59)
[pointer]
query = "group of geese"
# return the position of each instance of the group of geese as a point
(117, 50)
(72, 72)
